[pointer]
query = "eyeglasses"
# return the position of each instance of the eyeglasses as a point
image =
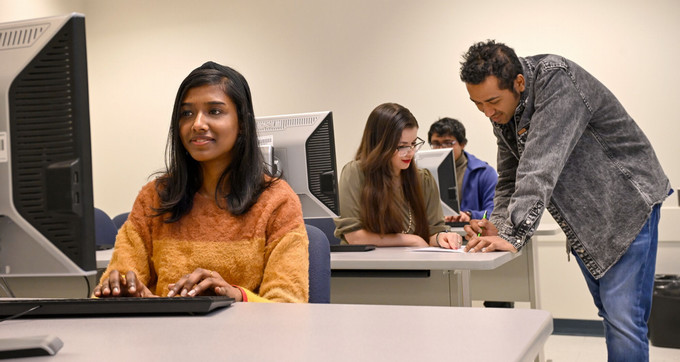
(445, 144)
(417, 144)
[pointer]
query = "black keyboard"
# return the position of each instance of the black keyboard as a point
(352, 247)
(92, 307)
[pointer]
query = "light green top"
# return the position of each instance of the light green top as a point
(350, 186)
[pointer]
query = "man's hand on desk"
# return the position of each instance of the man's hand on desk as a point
(482, 236)
(487, 244)
(478, 227)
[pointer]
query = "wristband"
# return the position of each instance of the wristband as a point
(244, 296)
(436, 239)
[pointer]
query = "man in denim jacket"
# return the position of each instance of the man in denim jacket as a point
(565, 143)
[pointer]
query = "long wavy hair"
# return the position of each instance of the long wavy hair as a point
(246, 177)
(378, 145)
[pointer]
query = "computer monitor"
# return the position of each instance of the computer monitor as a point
(304, 155)
(46, 202)
(442, 165)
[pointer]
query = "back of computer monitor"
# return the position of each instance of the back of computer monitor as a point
(441, 164)
(304, 154)
(46, 201)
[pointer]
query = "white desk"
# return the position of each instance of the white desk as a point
(302, 332)
(396, 266)
(495, 276)
(445, 279)
(516, 280)
(397, 262)
(399, 275)
(103, 258)
(404, 258)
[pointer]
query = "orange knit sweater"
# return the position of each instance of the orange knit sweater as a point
(263, 251)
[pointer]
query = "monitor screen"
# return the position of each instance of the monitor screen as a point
(441, 164)
(46, 201)
(303, 154)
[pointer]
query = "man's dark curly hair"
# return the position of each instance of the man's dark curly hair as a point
(490, 58)
(448, 126)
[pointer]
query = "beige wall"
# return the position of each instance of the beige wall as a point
(349, 56)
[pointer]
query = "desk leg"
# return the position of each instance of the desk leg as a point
(460, 288)
(532, 268)
(534, 298)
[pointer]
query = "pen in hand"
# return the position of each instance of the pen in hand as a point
(483, 218)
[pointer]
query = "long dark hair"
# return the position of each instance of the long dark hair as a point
(242, 182)
(378, 145)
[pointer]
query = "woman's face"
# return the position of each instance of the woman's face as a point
(402, 162)
(208, 126)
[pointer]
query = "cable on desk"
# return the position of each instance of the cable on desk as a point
(21, 313)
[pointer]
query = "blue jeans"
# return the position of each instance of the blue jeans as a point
(623, 295)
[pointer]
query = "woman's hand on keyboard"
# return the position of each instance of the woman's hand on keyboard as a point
(122, 285)
(204, 282)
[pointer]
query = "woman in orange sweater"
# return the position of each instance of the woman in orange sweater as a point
(215, 222)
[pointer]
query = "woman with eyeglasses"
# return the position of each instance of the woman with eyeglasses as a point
(385, 199)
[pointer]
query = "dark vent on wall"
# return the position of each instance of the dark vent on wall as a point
(322, 180)
(266, 125)
(42, 123)
(21, 37)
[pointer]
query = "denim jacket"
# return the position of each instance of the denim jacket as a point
(574, 150)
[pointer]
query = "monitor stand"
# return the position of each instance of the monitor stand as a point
(47, 287)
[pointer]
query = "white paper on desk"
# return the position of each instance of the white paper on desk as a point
(441, 250)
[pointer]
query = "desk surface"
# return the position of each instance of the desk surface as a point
(103, 258)
(401, 258)
(381, 258)
(404, 258)
(547, 228)
(301, 332)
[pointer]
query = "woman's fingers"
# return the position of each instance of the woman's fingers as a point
(109, 286)
(195, 283)
(455, 241)
(130, 282)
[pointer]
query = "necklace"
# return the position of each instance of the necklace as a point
(410, 221)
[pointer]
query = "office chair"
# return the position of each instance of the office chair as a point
(105, 230)
(319, 266)
(327, 226)
(120, 219)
